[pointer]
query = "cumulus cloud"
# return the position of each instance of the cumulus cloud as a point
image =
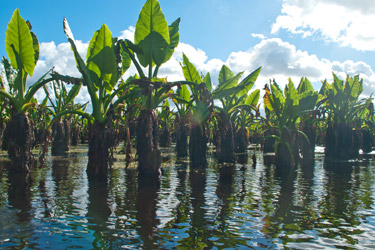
(61, 58)
(345, 22)
(260, 36)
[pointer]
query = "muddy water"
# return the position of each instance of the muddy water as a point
(323, 206)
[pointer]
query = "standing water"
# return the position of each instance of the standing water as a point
(322, 206)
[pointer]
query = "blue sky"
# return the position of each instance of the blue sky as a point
(288, 38)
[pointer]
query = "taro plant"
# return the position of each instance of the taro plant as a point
(183, 106)
(166, 120)
(77, 124)
(367, 127)
(41, 118)
(201, 104)
(343, 108)
(8, 74)
(245, 120)
(104, 65)
(154, 44)
(233, 96)
(22, 48)
(283, 112)
(62, 100)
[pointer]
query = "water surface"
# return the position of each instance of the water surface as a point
(321, 206)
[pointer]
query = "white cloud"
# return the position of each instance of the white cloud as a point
(62, 59)
(348, 23)
(128, 34)
(279, 60)
(260, 36)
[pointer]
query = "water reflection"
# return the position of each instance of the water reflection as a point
(146, 200)
(225, 206)
(19, 195)
(197, 235)
(98, 212)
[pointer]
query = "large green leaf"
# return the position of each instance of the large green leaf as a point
(185, 93)
(229, 83)
(81, 66)
(353, 87)
(277, 98)
(304, 86)
(291, 95)
(251, 78)
(125, 59)
(308, 100)
(227, 79)
(152, 34)
(225, 74)
(290, 110)
(174, 38)
(207, 81)
(101, 57)
(151, 18)
(190, 72)
(18, 40)
(154, 49)
(73, 93)
(36, 47)
(253, 98)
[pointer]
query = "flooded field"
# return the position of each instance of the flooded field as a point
(323, 206)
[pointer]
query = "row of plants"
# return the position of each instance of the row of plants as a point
(153, 111)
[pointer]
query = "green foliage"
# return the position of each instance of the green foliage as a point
(154, 44)
(201, 100)
(341, 99)
(23, 51)
(62, 102)
(154, 40)
(233, 93)
(100, 73)
(283, 109)
(19, 44)
(101, 59)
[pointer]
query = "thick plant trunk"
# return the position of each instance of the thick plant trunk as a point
(284, 155)
(149, 156)
(341, 142)
(198, 146)
(20, 143)
(308, 148)
(181, 140)
(242, 140)
(165, 138)
(75, 135)
(101, 139)
(61, 137)
(45, 139)
(269, 143)
(128, 150)
(226, 152)
(366, 140)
